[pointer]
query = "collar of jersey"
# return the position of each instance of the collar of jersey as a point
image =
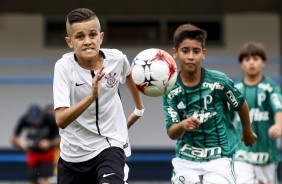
(100, 53)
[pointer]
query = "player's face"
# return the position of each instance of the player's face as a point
(252, 65)
(190, 54)
(85, 39)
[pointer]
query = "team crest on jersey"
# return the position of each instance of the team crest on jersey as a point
(261, 97)
(111, 80)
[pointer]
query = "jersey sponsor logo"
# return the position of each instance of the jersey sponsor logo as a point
(174, 92)
(252, 157)
(111, 80)
(203, 116)
(266, 87)
(257, 115)
(200, 153)
(213, 86)
(239, 85)
(106, 175)
(173, 114)
(228, 106)
(79, 84)
(232, 98)
(276, 100)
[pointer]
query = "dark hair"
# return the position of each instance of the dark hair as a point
(34, 114)
(252, 49)
(191, 32)
(80, 15)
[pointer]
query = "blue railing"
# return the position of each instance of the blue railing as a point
(145, 165)
(51, 61)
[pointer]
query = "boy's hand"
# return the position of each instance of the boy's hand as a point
(190, 124)
(96, 84)
(275, 131)
(249, 139)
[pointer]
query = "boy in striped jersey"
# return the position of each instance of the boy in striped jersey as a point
(197, 115)
(259, 162)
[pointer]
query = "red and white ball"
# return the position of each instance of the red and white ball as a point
(154, 72)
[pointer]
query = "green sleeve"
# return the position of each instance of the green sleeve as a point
(170, 111)
(276, 99)
(232, 95)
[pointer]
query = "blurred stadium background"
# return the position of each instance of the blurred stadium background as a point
(32, 39)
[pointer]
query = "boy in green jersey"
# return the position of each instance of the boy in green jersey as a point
(197, 115)
(258, 163)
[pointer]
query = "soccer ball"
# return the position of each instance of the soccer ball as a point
(154, 72)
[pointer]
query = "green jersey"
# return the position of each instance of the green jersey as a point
(210, 102)
(264, 100)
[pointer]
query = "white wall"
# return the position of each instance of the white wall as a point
(22, 45)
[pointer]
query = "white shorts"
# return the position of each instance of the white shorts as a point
(219, 171)
(253, 174)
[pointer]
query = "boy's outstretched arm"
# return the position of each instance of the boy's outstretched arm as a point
(139, 107)
(275, 130)
(248, 137)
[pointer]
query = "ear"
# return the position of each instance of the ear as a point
(69, 42)
(174, 52)
(241, 65)
(204, 53)
(263, 63)
(101, 37)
